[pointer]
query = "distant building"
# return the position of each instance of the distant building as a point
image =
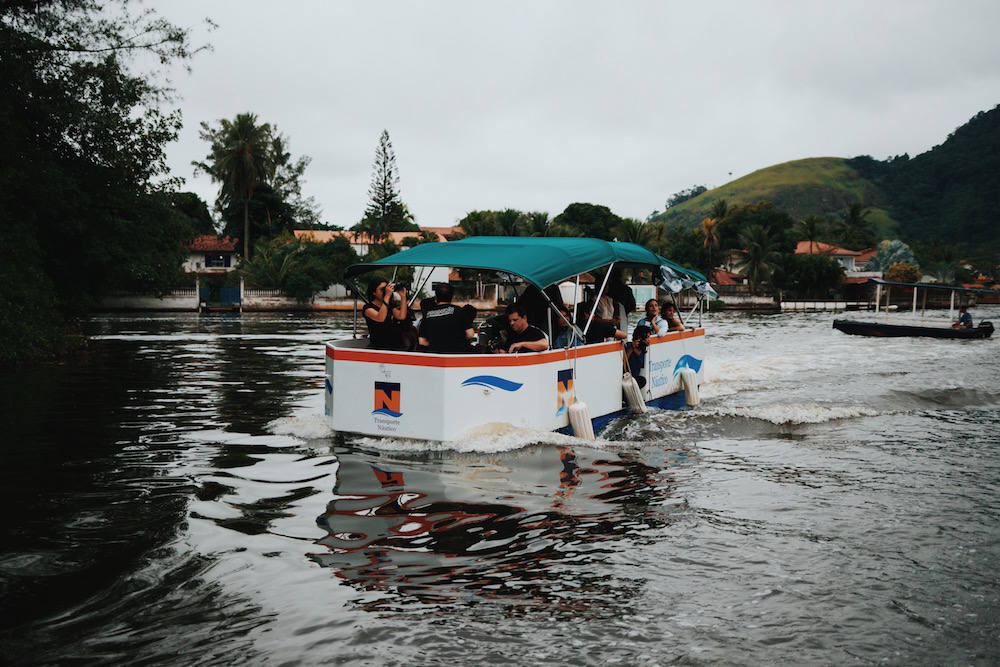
(208, 253)
(846, 257)
(361, 241)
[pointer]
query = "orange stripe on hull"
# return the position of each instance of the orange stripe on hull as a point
(487, 360)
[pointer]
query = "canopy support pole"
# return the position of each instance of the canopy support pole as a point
(951, 306)
(915, 290)
(553, 309)
(878, 297)
(421, 285)
(923, 306)
(598, 298)
(576, 301)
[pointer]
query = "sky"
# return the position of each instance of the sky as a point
(536, 105)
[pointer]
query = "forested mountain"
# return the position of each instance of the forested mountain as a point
(950, 193)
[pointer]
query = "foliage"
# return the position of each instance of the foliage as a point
(247, 157)
(808, 276)
(777, 224)
(903, 272)
(680, 244)
(684, 195)
(385, 212)
(80, 185)
(589, 220)
(854, 230)
(889, 253)
(810, 229)
(759, 256)
(631, 230)
(265, 216)
(194, 208)
(298, 269)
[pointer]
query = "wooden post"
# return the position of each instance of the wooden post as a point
(914, 300)
(951, 306)
(878, 297)
(923, 306)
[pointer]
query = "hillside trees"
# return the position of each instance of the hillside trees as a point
(854, 230)
(81, 188)
(591, 220)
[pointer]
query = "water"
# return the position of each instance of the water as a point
(173, 495)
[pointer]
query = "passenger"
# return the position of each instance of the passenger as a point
(445, 329)
(622, 296)
(635, 353)
(599, 330)
(522, 336)
(384, 332)
(564, 332)
(536, 306)
(672, 317)
(653, 321)
(964, 319)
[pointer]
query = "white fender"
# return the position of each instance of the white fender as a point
(633, 395)
(579, 420)
(689, 381)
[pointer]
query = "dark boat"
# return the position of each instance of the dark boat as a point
(984, 330)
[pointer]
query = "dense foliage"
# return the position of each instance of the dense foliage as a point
(298, 269)
(82, 138)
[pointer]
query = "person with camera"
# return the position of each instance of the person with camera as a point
(522, 336)
(445, 328)
(385, 331)
(635, 353)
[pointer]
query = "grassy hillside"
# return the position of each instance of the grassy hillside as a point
(823, 186)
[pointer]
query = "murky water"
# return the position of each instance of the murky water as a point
(173, 495)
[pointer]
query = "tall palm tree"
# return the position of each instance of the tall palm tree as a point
(759, 255)
(510, 222)
(810, 226)
(719, 210)
(539, 224)
(241, 160)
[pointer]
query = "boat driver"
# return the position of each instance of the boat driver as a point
(445, 328)
(522, 336)
(964, 319)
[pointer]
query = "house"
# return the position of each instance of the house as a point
(863, 257)
(847, 258)
(360, 241)
(208, 253)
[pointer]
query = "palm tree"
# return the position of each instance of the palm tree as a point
(630, 230)
(810, 226)
(539, 224)
(241, 159)
(759, 255)
(709, 229)
(510, 222)
(855, 228)
(719, 210)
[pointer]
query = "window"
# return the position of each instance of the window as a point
(217, 261)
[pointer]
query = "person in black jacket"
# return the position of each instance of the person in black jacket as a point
(445, 328)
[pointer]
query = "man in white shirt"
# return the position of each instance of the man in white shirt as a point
(656, 324)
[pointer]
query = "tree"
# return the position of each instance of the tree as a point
(299, 269)
(385, 212)
(889, 253)
(590, 220)
(82, 186)
(759, 255)
(810, 227)
(539, 224)
(709, 230)
(265, 216)
(855, 230)
(510, 222)
(903, 272)
(808, 276)
(195, 210)
(631, 230)
(684, 195)
(719, 210)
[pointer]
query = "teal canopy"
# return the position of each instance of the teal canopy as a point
(542, 261)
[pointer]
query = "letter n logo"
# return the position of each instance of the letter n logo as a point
(565, 396)
(387, 399)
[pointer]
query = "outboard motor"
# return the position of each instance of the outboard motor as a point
(987, 327)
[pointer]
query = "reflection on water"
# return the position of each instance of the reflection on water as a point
(173, 495)
(495, 530)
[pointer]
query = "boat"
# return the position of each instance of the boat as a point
(426, 396)
(915, 328)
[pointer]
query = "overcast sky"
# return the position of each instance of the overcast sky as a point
(535, 105)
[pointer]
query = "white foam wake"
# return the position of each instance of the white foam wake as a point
(306, 427)
(489, 438)
(798, 413)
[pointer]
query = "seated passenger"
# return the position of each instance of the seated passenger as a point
(599, 330)
(653, 321)
(964, 319)
(445, 329)
(522, 336)
(383, 320)
(672, 317)
(635, 353)
(564, 332)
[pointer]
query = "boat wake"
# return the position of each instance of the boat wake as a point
(306, 427)
(797, 413)
(488, 438)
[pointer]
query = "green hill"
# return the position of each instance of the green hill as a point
(951, 193)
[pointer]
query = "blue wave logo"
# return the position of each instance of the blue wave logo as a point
(687, 361)
(387, 412)
(492, 382)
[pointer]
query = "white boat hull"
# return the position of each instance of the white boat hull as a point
(441, 397)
